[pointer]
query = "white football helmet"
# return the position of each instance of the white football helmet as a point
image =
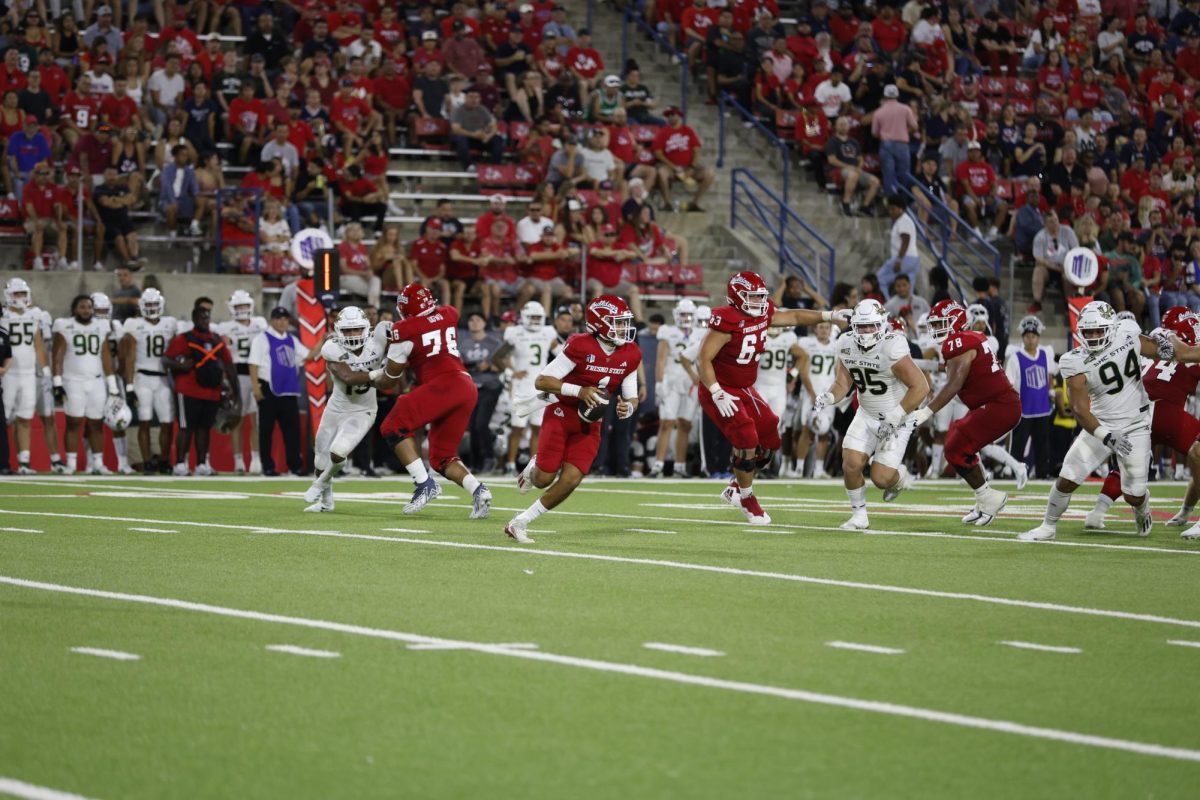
(17, 294)
(117, 415)
(977, 313)
(352, 328)
(868, 323)
(1123, 316)
(241, 305)
(1031, 324)
(1097, 324)
(533, 316)
(684, 314)
(151, 304)
(703, 315)
(101, 306)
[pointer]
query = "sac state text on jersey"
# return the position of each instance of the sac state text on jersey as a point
(1114, 379)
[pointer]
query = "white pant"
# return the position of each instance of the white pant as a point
(1087, 452)
(804, 416)
(249, 404)
(85, 397)
(674, 404)
(776, 397)
(155, 397)
(863, 436)
(949, 413)
(339, 433)
(20, 395)
(368, 286)
(44, 397)
(533, 418)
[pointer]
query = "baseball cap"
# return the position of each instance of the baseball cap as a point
(672, 110)
(612, 80)
(103, 10)
(74, 171)
(548, 230)
(558, 312)
(429, 36)
(606, 184)
(347, 81)
(434, 223)
(508, 316)
(30, 119)
(574, 205)
(891, 91)
(496, 198)
(278, 312)
(608, 229)
(104, 127)
(526, 8)
(974, 146)
(585, 32)
(258, 57)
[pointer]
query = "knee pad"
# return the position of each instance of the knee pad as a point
(763, 457)
(744, 463)
(442, 463)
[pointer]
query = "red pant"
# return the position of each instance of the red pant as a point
(1172, 426)
(444, 404)
(567, 438)
(979, 428)
(754, 425)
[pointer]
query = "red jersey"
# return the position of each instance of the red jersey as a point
(986, 382)
(736, 363)
(678, 145)
(622, 144)
(185, 382)
(585, 60)
(595, 366)
(355, 257)
(433, 340)
(1171, 383)
(80, 110)
(54, 81)
(118, 112)
(349, 112)
(456, 267)
(978, 175)
(546, 270)
(247, 116)
(605, 269)
(429, 255)
(42, 198)
(394, 92)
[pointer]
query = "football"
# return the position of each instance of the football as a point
(597, 412)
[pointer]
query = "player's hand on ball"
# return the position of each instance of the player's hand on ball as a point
(1119, 443)
(921, 416)
(592, 397)
(725, 402)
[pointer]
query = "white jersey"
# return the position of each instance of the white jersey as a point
(775, 361)
(347, 399)
(152, 339)
(674, 377)
(530, 353)
(822, 362)
(240, 335)
(1114, 379)
(47, 323)
(84, 343)
(23, 330)
(879, 390)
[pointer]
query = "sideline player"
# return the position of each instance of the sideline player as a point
(424, 339)
(350, 356)
(83, 377)
(877, 362)
(603, 357)
(102, 309)
(674, 391)
(728, 361)
(29, 360)
(818, 368)
(775, 378)
(143, 344)
(239, 332)
(974, 376)
(1106, 369)
(531, 344)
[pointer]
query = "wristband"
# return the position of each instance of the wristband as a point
(570, 390)
(1101, 432)
(111, 382)
(57, 381)
(45, 372)
(714, 388)
(826, 316)
(374, 374)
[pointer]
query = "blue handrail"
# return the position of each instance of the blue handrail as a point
(631, 17)
(961, 252)
(723, 100)
(258, 203)
(797, 247)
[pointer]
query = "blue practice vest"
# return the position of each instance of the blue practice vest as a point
(285, 375)
(1035, 383)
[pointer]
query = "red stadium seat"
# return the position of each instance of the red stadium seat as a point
(1004, 190)
(11, 221)
(1023, 88)
(433, 132)
(785, 124)
(508, 176)
(654, 273)
(993, 87)
(629, 272)
(688, 274)
(644, 134)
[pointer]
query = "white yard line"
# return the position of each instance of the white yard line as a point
(292, 649)
(774, 531)
(704, 652)
(20, 530)
(866, 648)
(28, 791)
(671, 676)
(154, 530)
(648, 530)
(405, 530)
(116, 655)
(1183, 643)
(1045, 648)
(456, 646)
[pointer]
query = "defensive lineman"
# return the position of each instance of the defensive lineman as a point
(239, 332)
(83, 378)
(115, 415)
(775, 380)
(144, 341)
(818, 368)
(29, 361)
(674, 391)
(531, 344)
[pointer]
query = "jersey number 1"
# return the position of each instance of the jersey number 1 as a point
(433, 340)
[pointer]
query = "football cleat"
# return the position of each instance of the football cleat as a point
(989, 508)
(125, 469)
(1191, 533)
(1042, 533)
(1143, 518)
(255, 465)
(422, 495)
(972, 516)
(24, 469)
(99, 469)
(732, 493)
(58, 468)
(525, 479)
(482, 502)
(1094, 520)
(323, 503)
(516, 530)
(239, 467)
(905, 482)
(753, 510)
(1022, 475)
(313, 493)
(181, 470)
(1179, 520)
(857, 522)
(204, 470)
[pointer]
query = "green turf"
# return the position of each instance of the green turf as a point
(209, 712)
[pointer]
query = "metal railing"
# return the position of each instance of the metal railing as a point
(219, 264)
(953, 243)
(785, 155)
(798, 248)
(633, 20)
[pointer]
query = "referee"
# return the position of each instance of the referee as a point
(276, 376)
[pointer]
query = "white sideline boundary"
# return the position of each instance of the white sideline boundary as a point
(12, 787)
(651, 562)
(671, 676)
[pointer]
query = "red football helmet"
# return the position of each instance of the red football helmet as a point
(897, 325)
(1181, 322)
(747, 292)
(945, 318)
(608, 317)
(415, 300)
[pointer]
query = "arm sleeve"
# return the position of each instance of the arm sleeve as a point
(399, 352)
(561, 366)
(629, 387)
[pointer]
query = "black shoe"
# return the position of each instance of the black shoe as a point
(270, 473)
(846, 210)
(370, 473)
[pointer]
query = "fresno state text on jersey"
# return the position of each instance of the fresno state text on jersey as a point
(736, 364)
(595, 367)
(987, 381)
(433, 340)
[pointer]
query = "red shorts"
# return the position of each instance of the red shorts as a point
(979, 428)
(444, 404)
(754, 425)
(1174, 427)
(566, 438)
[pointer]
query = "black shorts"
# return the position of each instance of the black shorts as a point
(196, 414)
(116, 227)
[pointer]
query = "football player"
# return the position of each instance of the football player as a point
(974, 375)
(424, 339)
(350, 356)
(875, 360)
(102, 309)
(728, 361)
(674, 391)
(531, 344)
(143, 343)
(817, 366)
(239, 332)
(596, 363)
(775, 379)
(83, 377)
(1106, 369)
(1168, 384)
(29, 360)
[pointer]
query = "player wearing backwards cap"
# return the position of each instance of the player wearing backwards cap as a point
(83, 377)
(424, 339)
(143, 343)
(1106, 369)
(974, 375)
(588, 369)
(29, 360)
(1169, 385)
(728, 361)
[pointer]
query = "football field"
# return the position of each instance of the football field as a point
(204, 638)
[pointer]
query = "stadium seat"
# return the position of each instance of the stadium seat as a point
(654, 273)
(433, 132)
(688, 274)
(508, 176)
(785, 124)
(644, 134)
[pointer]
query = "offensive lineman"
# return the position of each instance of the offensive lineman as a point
(350, 356)
(143, 344)
(531, 344)
(875, 361)
(83, 377)
(818, 368)
(239, 332)
(29, 360)
(675, 391)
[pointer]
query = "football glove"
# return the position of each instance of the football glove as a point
(60, 395)
(842, 316)
(823, 399)
(1119, 443)
(921, 416)
(131, 398)
(1166, 348)
(725, 402)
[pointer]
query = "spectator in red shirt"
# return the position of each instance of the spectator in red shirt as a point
(586, 64)
(495, 213)
(544, 274)
(499, 272)
(1135, 181)
(361, 198)
(812, 131)
(888, 30)
(605, 260)
(119, 109)
(675, 147)
(352, 117)
(93, 152)
(427, 258)
(463, 264)
(1085, 93)
(695, 22)
(530, 27)
(357, 277)
(393, 95)
(68, 200)
(1187, 60)
(246, 125)
(41, 211)
(977, 187)
(626, 149)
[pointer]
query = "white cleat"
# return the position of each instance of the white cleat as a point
(1178, 521)
(516, 530)
(25, 469)
(1042, 533)
(204, 470)
(239, 467)
(753, 511)
(58, 468)
(125, 469)
(973, 516)
(318, 508)
(99, 469)
(1094, 520)
(181, 470)
(525, 478)
(481, 502)
(1022, 475)
(314, 492)
(731, 494)
(989, 508)
(906, 481)
(255, 465)
(857, 522)
(1143, 519)
(1191, 533)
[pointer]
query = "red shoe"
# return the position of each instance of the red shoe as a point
(753, 511)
